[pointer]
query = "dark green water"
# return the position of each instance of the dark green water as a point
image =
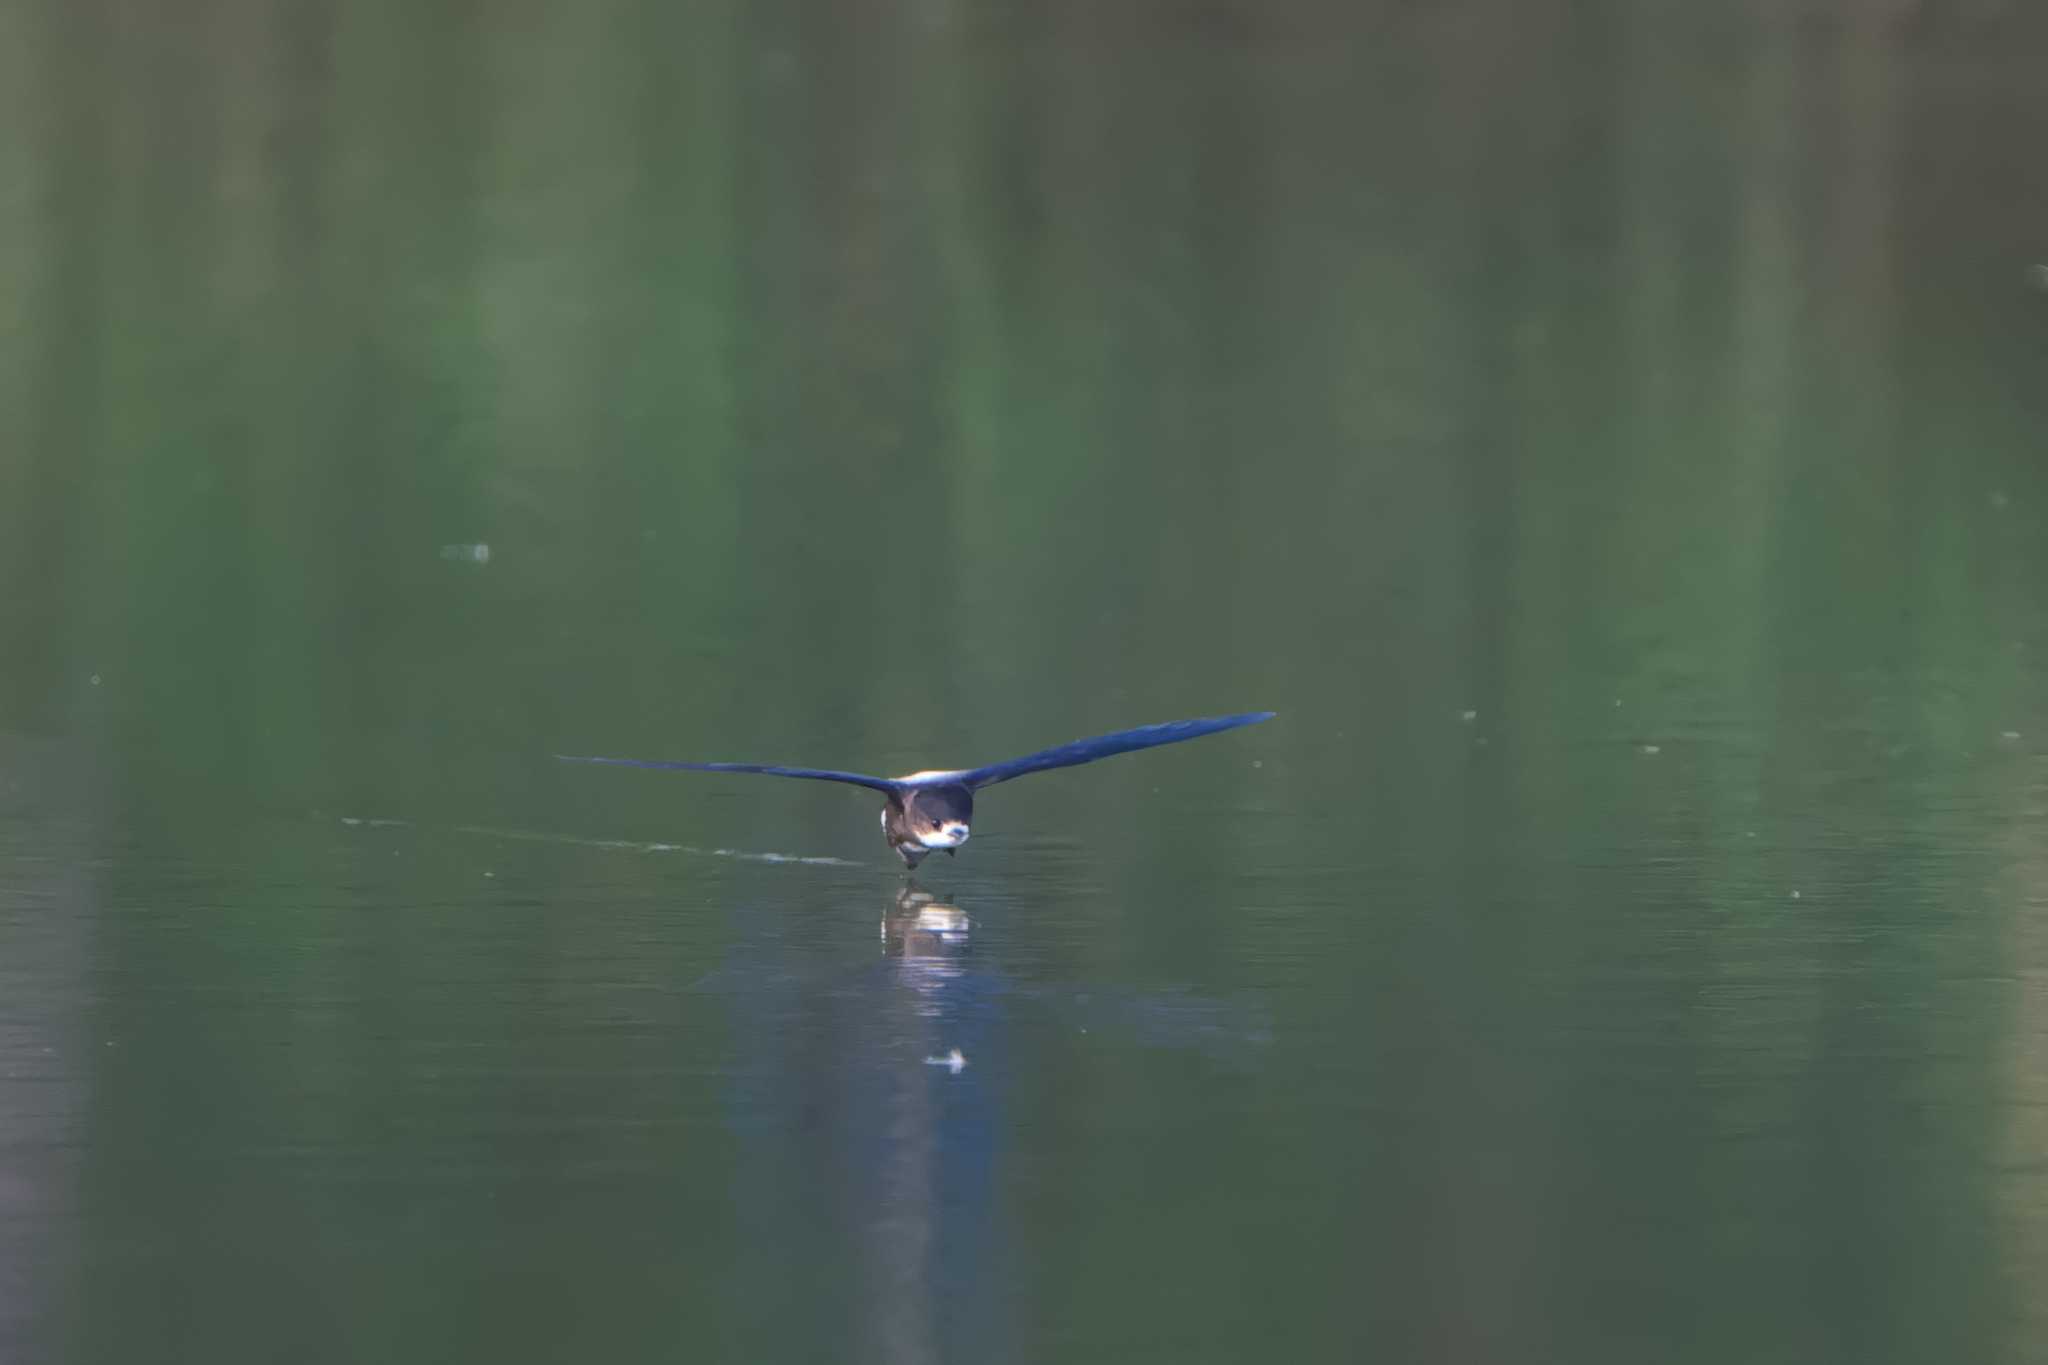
(1610, 436)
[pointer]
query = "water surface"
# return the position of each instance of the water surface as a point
(1609, 435)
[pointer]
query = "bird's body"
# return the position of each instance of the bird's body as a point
(925, 812)
(921, 820)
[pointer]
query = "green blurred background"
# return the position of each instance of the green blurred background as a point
(1610, 434)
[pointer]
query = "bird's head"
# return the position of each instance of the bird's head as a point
(940, 816)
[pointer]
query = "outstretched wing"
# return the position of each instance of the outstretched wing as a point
(1102, 746)
(880, 784)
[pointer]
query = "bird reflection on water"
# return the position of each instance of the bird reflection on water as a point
(929, 938)
(933, 1178)
(853, 1046)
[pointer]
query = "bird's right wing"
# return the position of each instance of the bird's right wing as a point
(880, 784)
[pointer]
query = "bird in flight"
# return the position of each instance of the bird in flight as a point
(929, 811)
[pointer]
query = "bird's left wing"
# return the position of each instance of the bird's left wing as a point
(1102, 746)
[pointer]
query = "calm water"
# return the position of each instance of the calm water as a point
(1610, 436)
